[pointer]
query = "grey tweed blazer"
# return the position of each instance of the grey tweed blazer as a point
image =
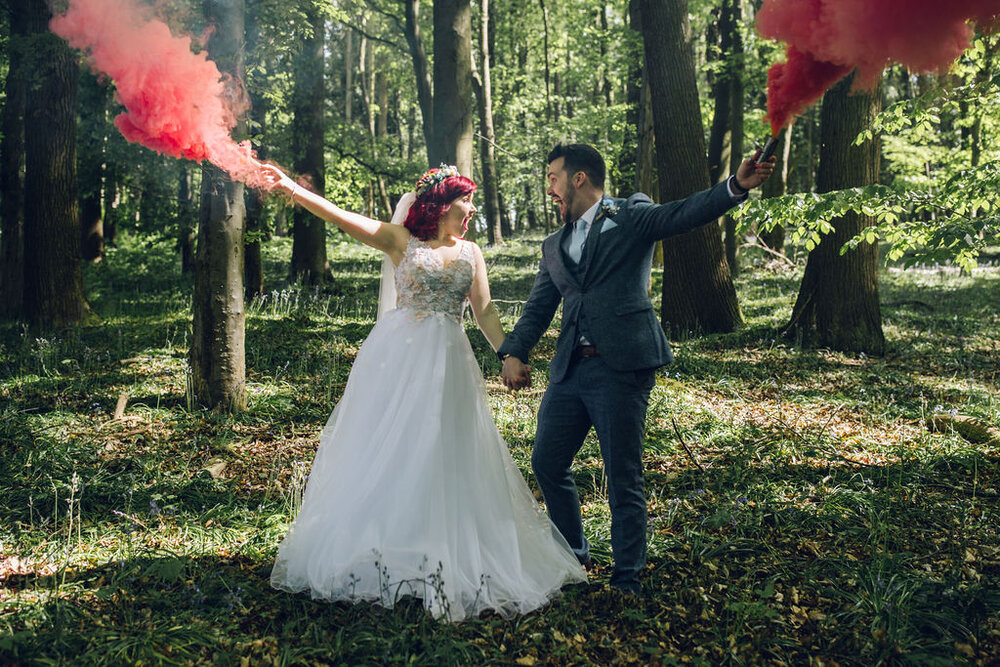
(608, 290)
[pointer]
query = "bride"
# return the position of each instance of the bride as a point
(412, 491)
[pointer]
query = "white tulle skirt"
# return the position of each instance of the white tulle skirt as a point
(413, 491)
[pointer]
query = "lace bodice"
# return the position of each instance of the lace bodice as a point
(425, 285)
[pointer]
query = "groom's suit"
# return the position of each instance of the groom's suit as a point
(605, 301)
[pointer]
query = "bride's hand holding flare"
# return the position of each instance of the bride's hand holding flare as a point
(390, 239)
(276, 180)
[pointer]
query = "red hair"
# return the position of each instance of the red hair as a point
(430, 206)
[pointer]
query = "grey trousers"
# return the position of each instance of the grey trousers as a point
(614, 403)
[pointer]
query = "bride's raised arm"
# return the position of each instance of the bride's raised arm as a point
(390, 239)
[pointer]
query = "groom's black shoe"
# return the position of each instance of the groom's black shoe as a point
(629, 589)
(588, 564)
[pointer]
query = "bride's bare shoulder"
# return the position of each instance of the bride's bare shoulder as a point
(472, 247)
(400, 236)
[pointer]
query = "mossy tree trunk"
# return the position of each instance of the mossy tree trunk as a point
(483, 84)
(309, 261)
(838, 303)
(12, 166)
(53, 279)
(217, 356)
(453, 94)
(698, 291)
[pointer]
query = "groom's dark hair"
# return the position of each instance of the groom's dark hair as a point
(581, 157)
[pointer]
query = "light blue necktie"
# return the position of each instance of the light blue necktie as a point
(578, 239)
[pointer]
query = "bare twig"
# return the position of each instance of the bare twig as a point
(763, 246)
(833, 414)
(501, 148)
(684, 445)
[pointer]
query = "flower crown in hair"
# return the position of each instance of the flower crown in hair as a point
(435, 176)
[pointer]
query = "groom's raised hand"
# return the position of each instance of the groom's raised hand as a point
(516, 374)
(751, 174)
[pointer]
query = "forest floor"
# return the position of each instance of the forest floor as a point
(802, 508)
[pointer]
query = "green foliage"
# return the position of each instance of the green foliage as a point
(936, 205)
(954, 223)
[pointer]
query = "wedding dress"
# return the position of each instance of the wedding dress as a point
(413, 491)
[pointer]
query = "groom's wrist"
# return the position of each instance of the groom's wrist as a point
(735, 189)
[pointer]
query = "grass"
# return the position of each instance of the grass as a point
(811, 519)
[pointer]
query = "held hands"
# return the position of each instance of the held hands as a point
(516, 374)
(751, 174)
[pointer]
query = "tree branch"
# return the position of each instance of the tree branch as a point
(367, 164)
(375, 38)
(763, 246)
(684, 444)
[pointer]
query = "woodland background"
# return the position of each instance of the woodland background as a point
(822, 458)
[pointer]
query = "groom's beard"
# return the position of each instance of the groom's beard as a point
(568, 206)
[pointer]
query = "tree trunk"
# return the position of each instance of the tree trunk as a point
(218, 363)
(483, 86)
(548, 75)
(411, 122)
(253, 269)
(628, 157)
(12, 167)
(111, 201)
(506, 228)
(736, 72)
(453, 95)
(349, 75)
(149, 205)
(186, 221)
(253, 266)
(640, 175)
(374, 111)
(281, 222)
(698, 291)
(645, 180)
(217, 356)
(382, 100)
(725, 144)
(569, 89)
(805, 151)
(604, 86)
(532, 218)
(838, 302)
(976, 129)
(92, 138)
(309, 262)
(776, 186)
(720, 135)
(53, 280)
(557, 97)
(421, 71)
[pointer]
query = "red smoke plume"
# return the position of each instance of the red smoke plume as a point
(176, 101)
(827, 39)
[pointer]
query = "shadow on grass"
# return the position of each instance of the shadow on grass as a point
(176, 609)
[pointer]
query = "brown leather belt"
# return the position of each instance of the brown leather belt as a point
(586, 351)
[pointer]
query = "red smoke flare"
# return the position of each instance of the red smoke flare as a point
(827, 39)
(176, 101)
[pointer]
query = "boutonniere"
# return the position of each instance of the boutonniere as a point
(608, 207)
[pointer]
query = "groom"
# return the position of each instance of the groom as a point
(611, 342)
